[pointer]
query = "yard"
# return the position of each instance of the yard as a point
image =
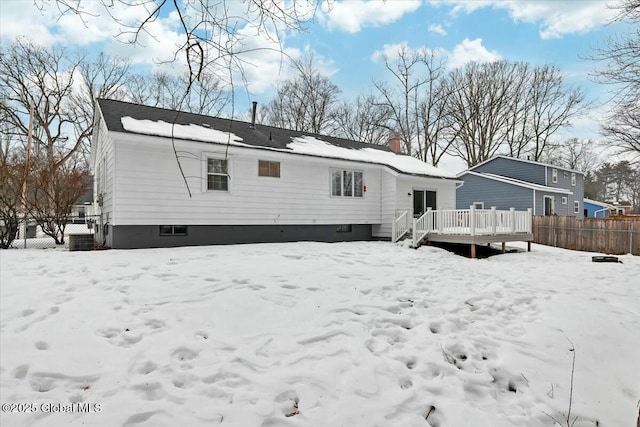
(314, 334)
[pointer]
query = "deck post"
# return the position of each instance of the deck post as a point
(494, 220)
(473, 250)
(513, 220)
(530, 219)
(428, 221)
(504, 247)
(414, 231)
(529, 246)
(472, 225)
(393, 230)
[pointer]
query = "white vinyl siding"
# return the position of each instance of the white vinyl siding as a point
(151, 189)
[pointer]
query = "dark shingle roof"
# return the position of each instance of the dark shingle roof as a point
(265, 137)
(260, 136)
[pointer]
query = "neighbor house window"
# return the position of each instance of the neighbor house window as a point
(573, 178)
(268, 168)
(576, 207)
(554, 176)
(217, 176)
(347, 183)
(564, 200)
(343, 228)
(478, 205)
(173, 230)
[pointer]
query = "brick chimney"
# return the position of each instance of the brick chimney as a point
(395, 143)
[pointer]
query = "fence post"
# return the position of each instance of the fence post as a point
(494, 220)
(513, 220)
(24, 230)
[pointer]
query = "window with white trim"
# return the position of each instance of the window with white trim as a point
(217, 175)
(573, 179)
(564, 200)
(576, 206)
(554, 176)
(478, 205)
(347, 183)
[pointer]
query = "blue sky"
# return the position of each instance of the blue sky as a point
(348, 39)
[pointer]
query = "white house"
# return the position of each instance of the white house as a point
(166, 178)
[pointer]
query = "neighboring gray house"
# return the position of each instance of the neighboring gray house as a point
(507, 182)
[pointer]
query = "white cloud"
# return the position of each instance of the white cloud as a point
(352, 16)
(389, 51)
(437, 29)
(470, 51)
(556, 18)
(464, 52)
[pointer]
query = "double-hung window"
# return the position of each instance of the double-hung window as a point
(554, 176)
(217, 176)
(576, 206)
(573, 178)
(347, 183)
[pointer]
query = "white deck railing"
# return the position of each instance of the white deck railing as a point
(471, 222)
(400, 225)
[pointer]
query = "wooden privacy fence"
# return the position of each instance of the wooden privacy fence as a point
(604, 235)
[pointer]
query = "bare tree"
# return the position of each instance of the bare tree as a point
(53, 189)
(518, 122)
(574, 153)
(212, 39)
(12, 175)
(553, 103)
(436, 125)
(208, 95)
(305, 102)
(365, 119)
(61, 86)
(403, 96)
(508, 107)
(621, 57)
(480, 105)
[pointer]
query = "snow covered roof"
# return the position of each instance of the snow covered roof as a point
(125, 117)
(519, 183)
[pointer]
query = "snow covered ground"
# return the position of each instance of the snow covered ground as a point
(314, 334)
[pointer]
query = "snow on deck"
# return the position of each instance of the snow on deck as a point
(315, 334)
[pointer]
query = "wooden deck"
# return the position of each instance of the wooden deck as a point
(467, 226)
